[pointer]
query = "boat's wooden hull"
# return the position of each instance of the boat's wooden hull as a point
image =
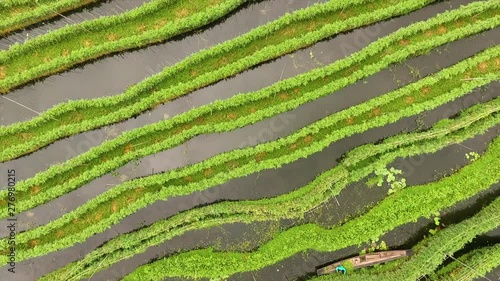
(367, 260)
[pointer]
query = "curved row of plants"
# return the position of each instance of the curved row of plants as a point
(224, 115)
(16, 14)
(471, 122)
(477, 263)
(432, 251)
(287, 34)
(115, 204)
(152, 22)
(405, 206)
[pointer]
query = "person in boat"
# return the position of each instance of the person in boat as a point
(340, 269)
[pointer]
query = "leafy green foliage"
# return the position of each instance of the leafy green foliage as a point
(97, 215)
(259, 45)
(437, 221)
(390, 178)
(470, 266)
(319, 130)
(445, 85)
(403, 207)
(433, 250)
(291, 205)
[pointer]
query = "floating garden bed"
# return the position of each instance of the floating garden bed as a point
(482, 261)
(302, 204)
(425, 94)
(153, 22)
(231, 114)
(18, 14)
(432, 251)
(99, 213)
(403, 207)
(293, 205)
(209, 66)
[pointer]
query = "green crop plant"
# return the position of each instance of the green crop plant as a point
(108, 209)
(427, 142)
(63, 48)
(238, 54)
(398, 209)
(376, 112)
(164, 20)
(471, 122)
(110, 155)
(18, 14)
(124, 199)
(432, 251)
(470, 266)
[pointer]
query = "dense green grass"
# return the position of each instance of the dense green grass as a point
(229, 114)
(15, 14)
(471, 122)
(403, 207)
(287, 34)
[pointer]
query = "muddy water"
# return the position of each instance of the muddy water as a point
(342, 45)
(113, 74)
(139, 64)
(93, 11)
(416, 170)
(70, 147)
(263, 131)
(493, 275)
(26, 167)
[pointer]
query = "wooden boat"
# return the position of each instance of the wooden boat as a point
(366, 260)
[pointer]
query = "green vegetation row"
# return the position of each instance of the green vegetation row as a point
(152, 22)
(471, 122)
(16, 15)
(431, 252)
(230, 114)
(478, 263)
(287, 34)
(403, 207)
(122, 200)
